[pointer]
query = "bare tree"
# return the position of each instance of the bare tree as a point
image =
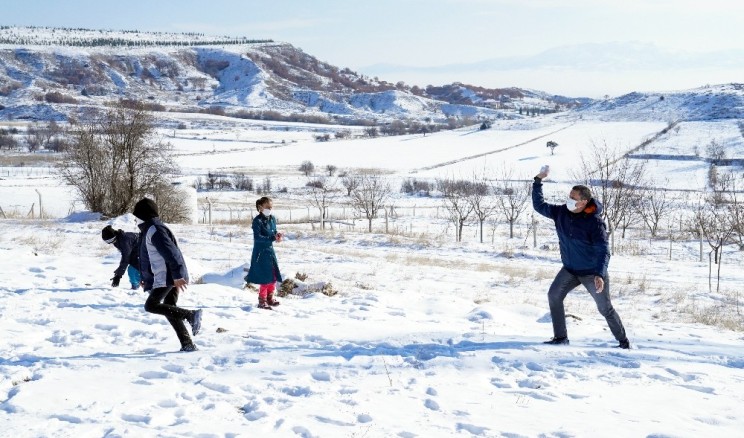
(721, 184)
(172, 203)
(350, 183)
(512, 196)
(716, 151)
(552, 145)
(341, 135)
(331, 169)
(456, 202)
(369, 195)
(654, 205)
(242, 182)
(631, 214)
(116, 160)
(483, 204)
(614, 180)
(712, 220)
(307, 167)
(322, 191)
(736, 214)
(35, 138)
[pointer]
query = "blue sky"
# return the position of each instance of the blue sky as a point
(426, 33)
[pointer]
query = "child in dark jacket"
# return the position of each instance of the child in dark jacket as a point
(264, 269)
(128, 245)
(164, 273)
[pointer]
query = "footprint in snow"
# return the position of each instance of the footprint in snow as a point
(532, 366)
(321, 376)
(327, 420)
(431, 404)
(167, 404)
(703, 389)
(500, 383)
(251, 411)
(532, 384)
(173, 368)
(224, 389)
(685, 377)
(533, 394)
(303, 432)
(67, 418)
(473, 429)
(136, 418)
(296, 391)
(154, 375)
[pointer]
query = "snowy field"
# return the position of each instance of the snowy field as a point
(424, 338)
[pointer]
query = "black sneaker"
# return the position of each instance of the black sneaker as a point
(624, 344)
(189, 347)
(195, 322)
(557, 341)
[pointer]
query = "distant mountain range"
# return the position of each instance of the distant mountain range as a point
(600, 56)
(48, 73)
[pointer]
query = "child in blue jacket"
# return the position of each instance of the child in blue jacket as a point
(264, 269)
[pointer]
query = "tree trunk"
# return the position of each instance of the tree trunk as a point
(511, 229)
(370, 224)
(481, 231)
(718, 279)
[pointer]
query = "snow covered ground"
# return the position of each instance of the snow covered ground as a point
(424, 338)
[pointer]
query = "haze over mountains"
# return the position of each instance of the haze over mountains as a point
(51, 73)
(610, 65)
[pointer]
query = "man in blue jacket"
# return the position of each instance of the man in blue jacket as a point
(582, 237)
(164, 273)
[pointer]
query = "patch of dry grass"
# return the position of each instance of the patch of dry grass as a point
(29, 160)
(38, 245)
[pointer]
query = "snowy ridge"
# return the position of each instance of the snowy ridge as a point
(62, 71)
(705, 103)
(52, 36)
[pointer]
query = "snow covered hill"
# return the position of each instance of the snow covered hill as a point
(48, 73)
(705, 103)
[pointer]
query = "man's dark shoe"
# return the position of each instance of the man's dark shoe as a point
(624, 344)
(557, 341)
(189, 347)
(195, 322)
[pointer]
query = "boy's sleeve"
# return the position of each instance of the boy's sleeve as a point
(171, 254)
(125, 249)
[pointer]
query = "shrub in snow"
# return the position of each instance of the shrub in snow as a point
(301, 288)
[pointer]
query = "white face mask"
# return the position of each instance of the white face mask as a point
(571, 204)
(266, 212)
